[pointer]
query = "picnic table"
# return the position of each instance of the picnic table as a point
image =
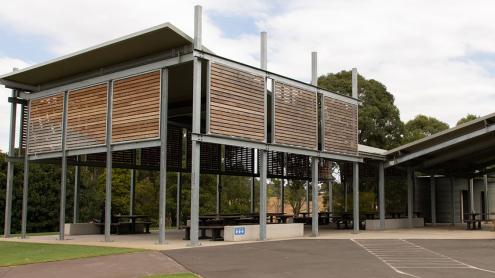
(472, 221)
(133, 219)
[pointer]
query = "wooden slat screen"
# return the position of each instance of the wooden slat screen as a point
(296, 121)
(236, 103)
(136, 108)
(45, 124)
(86, 117)
(341, 126)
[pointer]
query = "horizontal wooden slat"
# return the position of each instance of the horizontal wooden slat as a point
(136, 108)
(341, 128)
(296, 121)
(45, 124)
(236, 103)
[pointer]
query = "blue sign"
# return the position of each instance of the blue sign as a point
(239, 231)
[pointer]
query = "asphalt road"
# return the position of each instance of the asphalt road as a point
(343, 258)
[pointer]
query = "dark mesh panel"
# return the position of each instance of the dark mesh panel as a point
(239, 161)
(298, 166)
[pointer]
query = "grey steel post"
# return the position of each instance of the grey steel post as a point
(471, 195)
(487, 201)
(410, 193)
(252, 194)
(77, 178)
(10, 168)
(355, 193)
(452, 200)
(282, 197)
(108, 182)
(263, 54)
(196, 128)
(307, 197)
(381, 194)
(330, 195)
(178, 197)
(263, 174)
(354, 83)
(345, 197)
(63, 180)
(314, 68)
(433, 200)
(25, 189)
(132, 195)
(314, 216)
(163, 156)
(218, 196)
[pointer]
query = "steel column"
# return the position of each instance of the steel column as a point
(381, 193)
(282, 197)
(10, 169)
(178, 199)
(487, 201)
(163, 156)
(345, 197)
(410, 196)
(132, 194)
(314, 216)
(196, 128)
(108, 181)
(218, 195)
(452, 200)
(263, 191)
(252, 194)
(433, 200)
(307, 197)
(25, 189)
(63, 182)
(330, 196)
(355, 193)
(471, 195)
(77, 178)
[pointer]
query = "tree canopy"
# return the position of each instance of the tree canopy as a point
(422, 126)
(467, 118)
(379, 119)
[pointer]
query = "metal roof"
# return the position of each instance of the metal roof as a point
(460, 150)
(140, 44)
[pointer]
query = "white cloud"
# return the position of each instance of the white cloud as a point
(419, 49)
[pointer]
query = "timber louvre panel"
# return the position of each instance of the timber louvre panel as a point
(296, 121)
(86, 117)
(136, 108)
(45, 134)
(237, 103)
(341, 128)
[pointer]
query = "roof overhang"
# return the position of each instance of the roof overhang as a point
(145, 43)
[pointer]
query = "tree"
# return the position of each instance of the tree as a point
(379, 119)
(295, 195)
(422, 126)
(467, 118)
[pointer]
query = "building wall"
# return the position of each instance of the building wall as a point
(444, 198)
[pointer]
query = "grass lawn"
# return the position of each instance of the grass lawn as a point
(17, 253)
(177, 275)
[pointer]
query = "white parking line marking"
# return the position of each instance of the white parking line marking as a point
(401, 254)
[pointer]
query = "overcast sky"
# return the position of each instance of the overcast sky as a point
(436, 57)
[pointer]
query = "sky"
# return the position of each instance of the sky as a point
(436, 57)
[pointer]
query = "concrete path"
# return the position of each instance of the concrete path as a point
(118, 266)
(343, 258)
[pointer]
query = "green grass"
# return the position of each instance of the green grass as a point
(177, 275)
(17, 253)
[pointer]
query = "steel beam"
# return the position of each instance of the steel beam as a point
(25, 189)
(63, 183)
(108, 181)
(381, 193)
(314, 183)
(355, 193)
(163, 155)
(196, 128)
(263, 192)
(10, 169)
(433, 200)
